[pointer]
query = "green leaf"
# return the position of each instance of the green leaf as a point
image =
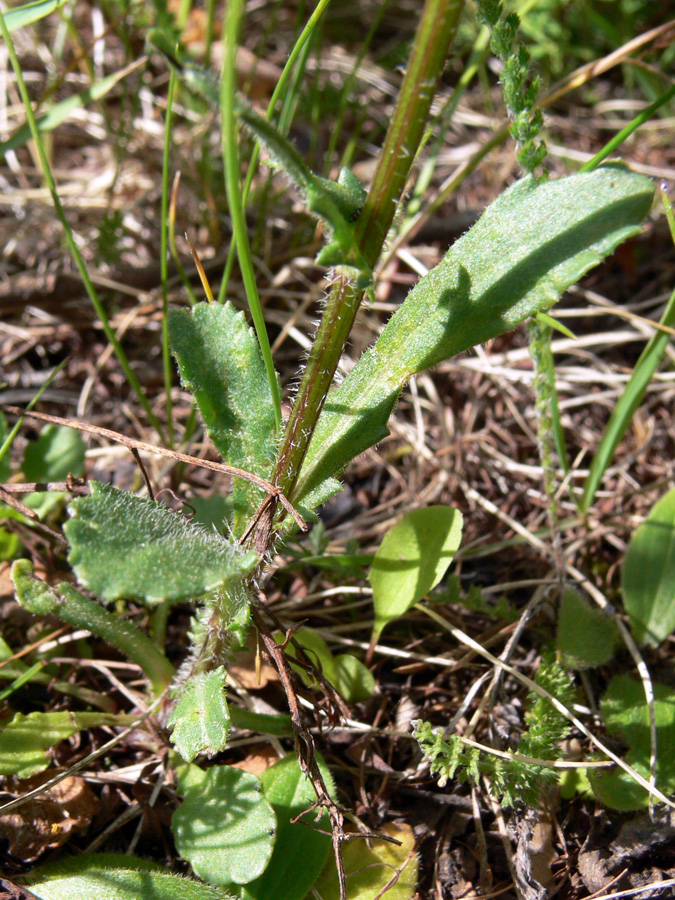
(529, 246)
(355, 682)
(201, 718)
(82, 612)
(412, 558)
(220, 363)
(300, 851)
(115, 876)
(586, 635)
(57, 453)
(626, 715)
(63, 110)
(371, 866)
(5, 467)
(25, 740)
(318, 653)
(224, 827)
(648, 574)
(30, 12)
(127, 547)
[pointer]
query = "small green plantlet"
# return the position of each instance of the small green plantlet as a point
(517, 780)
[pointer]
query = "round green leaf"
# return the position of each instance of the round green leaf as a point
(224, 827)
(412, 559)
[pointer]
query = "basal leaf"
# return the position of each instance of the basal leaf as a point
(412, 559)
(201, 718)
(648, 574)
(127, 547)
(220, 363)
(371, 867)
(25, 740)
(115, 876)
(586, 635)
(299, 852)
(224, 827)
(626, 715)
(529, 246)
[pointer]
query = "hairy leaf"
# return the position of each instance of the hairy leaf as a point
(648, 574)
(127, 547)
(201, 718)
(412, 559)
(115, 876)
(25, 740)
(529, 246)
(220, 363)
(224, 827)
(586, 635)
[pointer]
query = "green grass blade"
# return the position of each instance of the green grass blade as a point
(619, 138)
(70, 238)
(279, 92)
(234, 196)
(167, 366)
(629, 402)
(30, 12)
(63, 110)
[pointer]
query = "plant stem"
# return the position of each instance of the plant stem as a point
(167, 364)
(435, 32)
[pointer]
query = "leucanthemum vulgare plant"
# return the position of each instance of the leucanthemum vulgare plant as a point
(533, 242)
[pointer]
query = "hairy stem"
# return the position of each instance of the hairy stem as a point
(436, 30)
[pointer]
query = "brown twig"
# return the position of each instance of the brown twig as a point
(135, 445)
(304, 742)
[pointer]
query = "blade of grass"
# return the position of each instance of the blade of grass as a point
(7, 443)
(30, 12)
(167, 366)
(632, 126)
(70, 238)
(279, 92)
(634, 391)
(234, 196)
(61, 111)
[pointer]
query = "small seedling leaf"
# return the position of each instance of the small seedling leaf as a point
(220, 363)
(25, 740)
(371, 867)
(626, 715)
(648, 574)
(224, 827)
(114, 876)
(412, 559)
(355, 682)
(300, 851)
(127, 547)
(201, 718)
(586, 636)
(528, 247)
